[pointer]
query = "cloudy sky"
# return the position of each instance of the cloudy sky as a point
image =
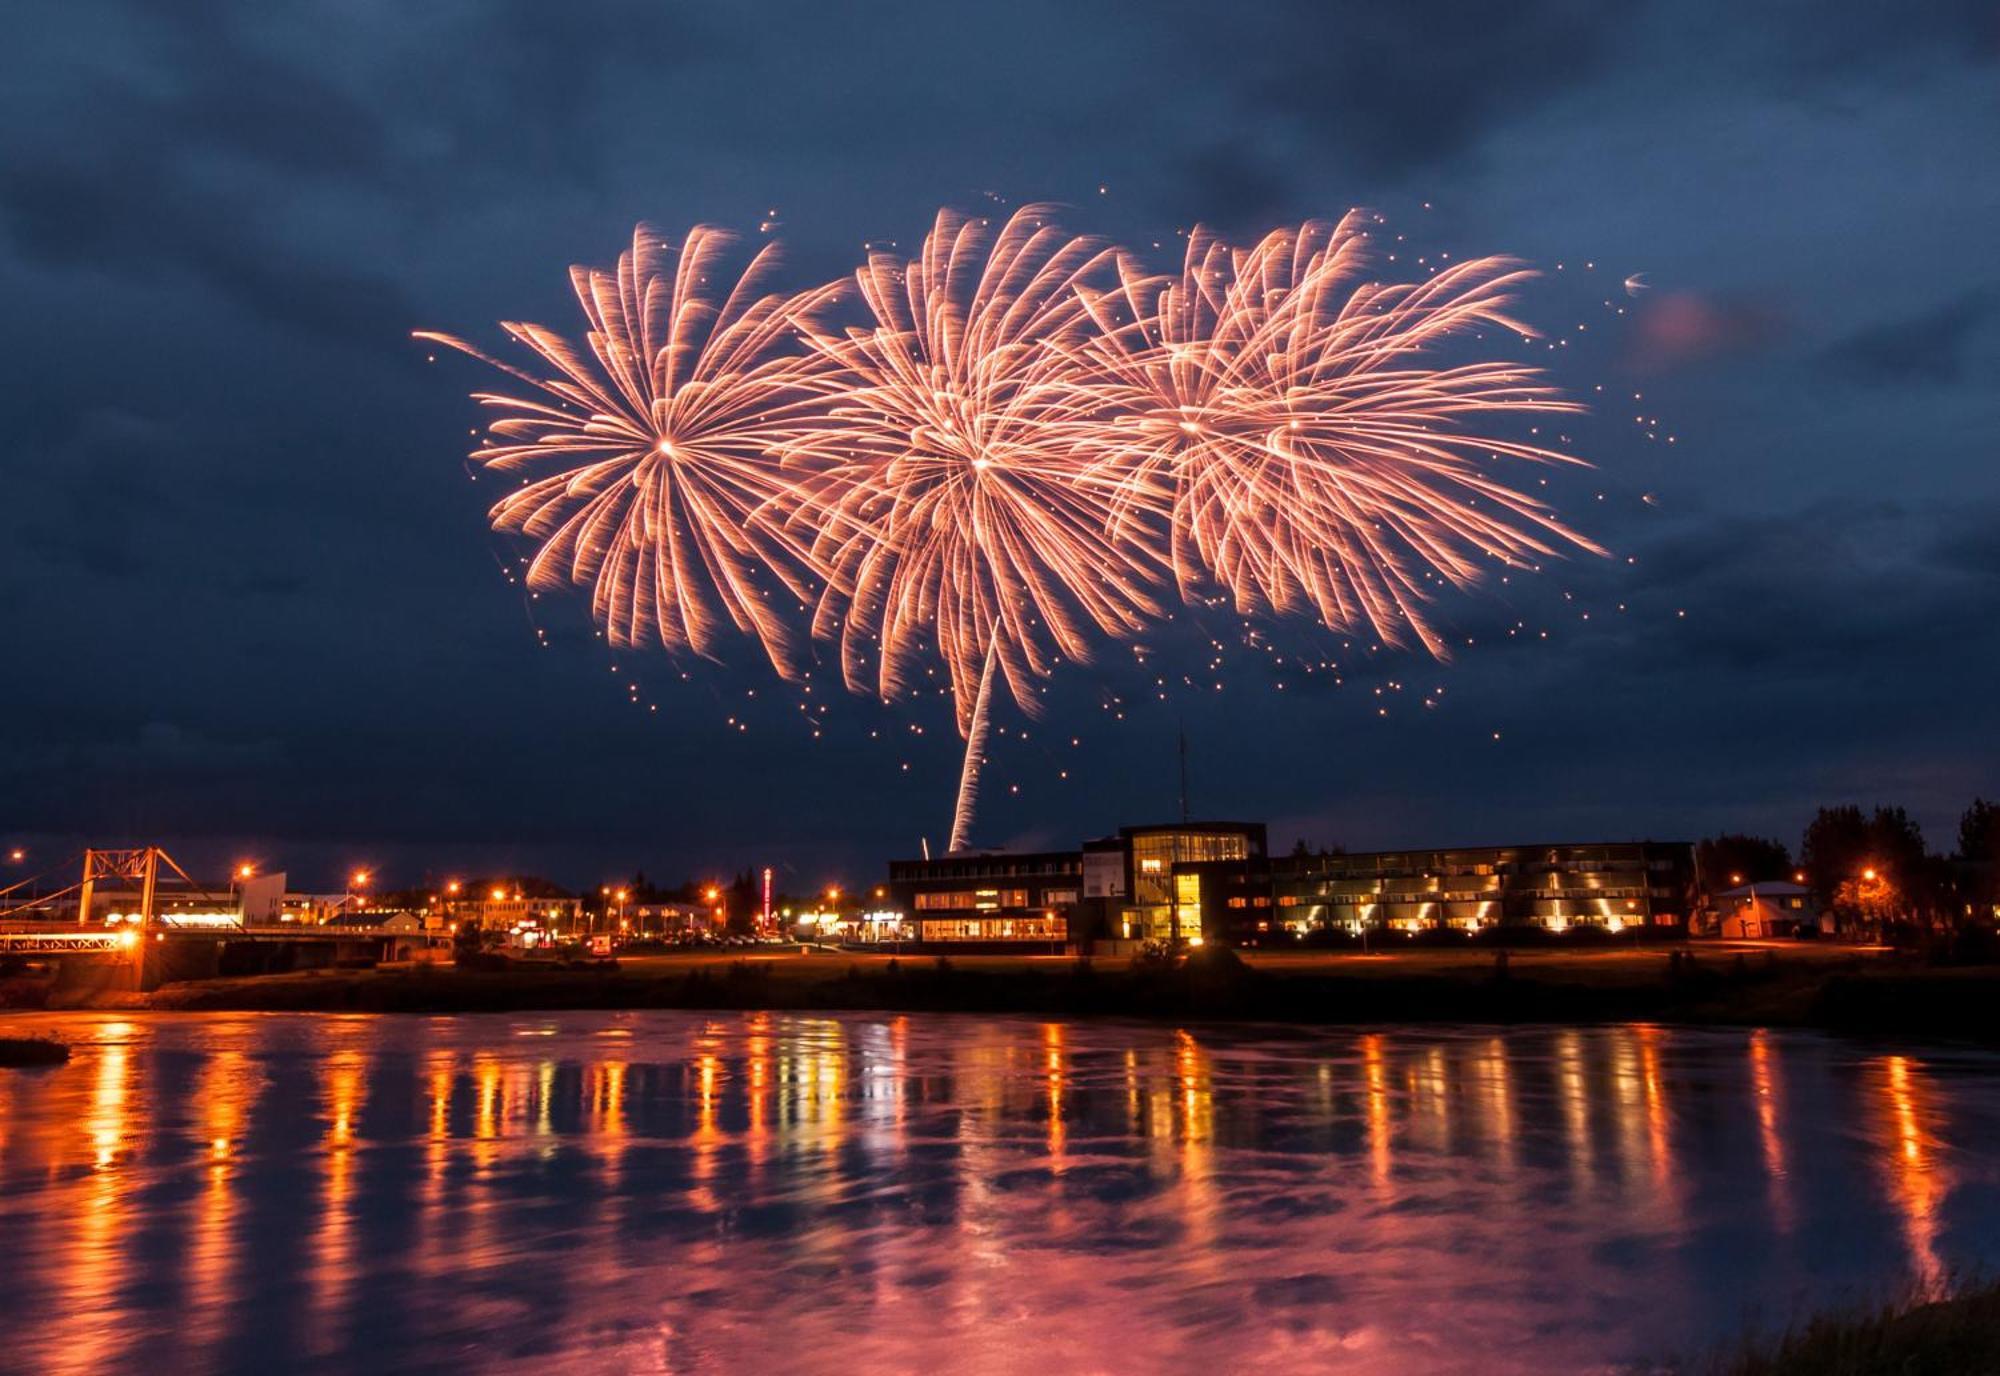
(252, 606)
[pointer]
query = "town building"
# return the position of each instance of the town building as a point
(1214, 881)
(1610, 885)
(989, 898)
(1117, 888)
(1768, 908)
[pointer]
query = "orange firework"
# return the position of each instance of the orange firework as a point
(1272, 415)
(651, 456)
(952, 516)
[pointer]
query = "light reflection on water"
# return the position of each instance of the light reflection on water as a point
(685, 1193)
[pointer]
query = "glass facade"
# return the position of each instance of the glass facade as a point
(1163, 905)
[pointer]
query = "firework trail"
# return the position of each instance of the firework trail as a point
(651, 454)
(952, 515)
(1271, 416)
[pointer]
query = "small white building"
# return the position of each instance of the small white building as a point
(1769, 908)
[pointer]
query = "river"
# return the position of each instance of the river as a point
(673, 1192)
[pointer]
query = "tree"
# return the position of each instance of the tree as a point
(1834, 850)
(1725, 861)
(1842, 845)
(1870, 898)
(1979, 855)
(744, 903)
(1979, 833)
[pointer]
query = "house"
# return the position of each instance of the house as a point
(1766, 909)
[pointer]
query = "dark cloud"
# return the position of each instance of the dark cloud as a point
(1929, 347)
(1230, 187)
(256, 598)
(130, 208)
(1391, 88)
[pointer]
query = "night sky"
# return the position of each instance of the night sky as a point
(253, 609)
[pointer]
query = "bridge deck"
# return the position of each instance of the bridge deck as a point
(62, 940)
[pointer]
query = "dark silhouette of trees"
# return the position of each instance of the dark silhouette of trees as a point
(1725, 861)
(1979, 833)
(1843, 846)
(1979, 859)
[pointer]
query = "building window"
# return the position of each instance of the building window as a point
(994, 929)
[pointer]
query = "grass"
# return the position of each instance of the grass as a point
(24, 1052)
(1956, 1335)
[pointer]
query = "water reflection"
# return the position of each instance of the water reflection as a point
(689, 1193)
(1918, 1177)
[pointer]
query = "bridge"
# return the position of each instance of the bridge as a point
(154, 945)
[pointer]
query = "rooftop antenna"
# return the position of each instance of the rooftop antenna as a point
(1184, 795)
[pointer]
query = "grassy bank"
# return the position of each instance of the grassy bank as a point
(1840, 988)
(1954, 1336)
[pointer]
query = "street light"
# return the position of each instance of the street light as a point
(245, 870)
(17, 855)
(1869, 874)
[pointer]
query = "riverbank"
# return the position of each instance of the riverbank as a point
(1946, 1337)
(1845, 988)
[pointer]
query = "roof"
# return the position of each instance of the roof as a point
(1768, 888)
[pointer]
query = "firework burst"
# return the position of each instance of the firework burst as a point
(650, 455)
(1023, 445)
(1272, 417)
(952, 517)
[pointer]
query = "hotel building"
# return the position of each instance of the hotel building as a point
(1129, 886)
(1609, 885)
(1214, 881)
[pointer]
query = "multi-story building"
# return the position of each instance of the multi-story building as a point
(1214, 881)
(1117, 887)
(1149, 878)
(989, 898)
(1612, 885)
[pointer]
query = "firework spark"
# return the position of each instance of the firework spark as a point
(651, 456)
(952, 517)
(1274, 418)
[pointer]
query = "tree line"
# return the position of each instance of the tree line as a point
(1872, 868)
